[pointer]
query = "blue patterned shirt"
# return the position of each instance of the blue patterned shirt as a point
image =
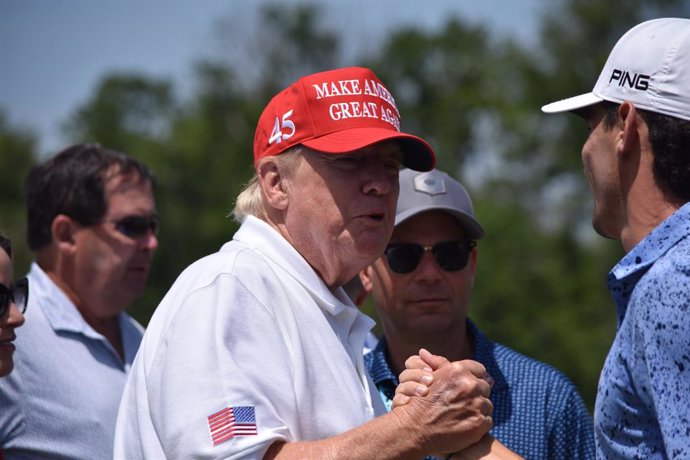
(643, 401)
(538, 413)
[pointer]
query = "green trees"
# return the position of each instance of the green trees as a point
(475, 97)
(17, 150)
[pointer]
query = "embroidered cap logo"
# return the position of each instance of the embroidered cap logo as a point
(335, 112)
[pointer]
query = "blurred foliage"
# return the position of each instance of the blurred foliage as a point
(475, 97)
(17, 153)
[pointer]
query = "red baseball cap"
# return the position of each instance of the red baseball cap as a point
(337, 111)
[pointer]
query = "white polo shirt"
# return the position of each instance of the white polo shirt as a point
(251, 332)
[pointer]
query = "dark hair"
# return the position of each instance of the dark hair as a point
(670, 141)
(6, 244)
(73, 183)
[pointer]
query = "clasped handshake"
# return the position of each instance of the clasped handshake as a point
(450, 398)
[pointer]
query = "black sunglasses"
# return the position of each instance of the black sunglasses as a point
(18, 293)
(137, 226)
(451, 256)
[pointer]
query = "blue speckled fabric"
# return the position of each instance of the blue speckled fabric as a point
(538, 413)
(643, 402)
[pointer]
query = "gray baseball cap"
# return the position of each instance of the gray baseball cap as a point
(436, 190)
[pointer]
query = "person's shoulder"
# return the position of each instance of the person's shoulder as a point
(375, 358)
(230, 279)
(676, 260)
(220, 288)
(36, 332)
(535, 389)
(131, 326)
(519, 367)
(233, 259)
(667, 248)
(665, 287)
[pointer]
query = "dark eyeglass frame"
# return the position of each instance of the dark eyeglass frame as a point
(451, 256)
(18, 292)
(136, 227)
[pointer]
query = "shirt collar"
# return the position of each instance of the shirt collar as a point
(377, 365)
(63, 315)
(626, 273)
(265, 239)
(58, 309)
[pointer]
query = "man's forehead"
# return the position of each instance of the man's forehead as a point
(119, 182)
(590, 112)
(441, 220)
(386, 148)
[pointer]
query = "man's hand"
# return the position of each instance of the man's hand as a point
(455, 410)
(417, 376)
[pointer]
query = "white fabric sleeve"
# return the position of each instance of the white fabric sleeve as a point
(222, 349)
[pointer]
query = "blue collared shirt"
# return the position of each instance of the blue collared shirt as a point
(643, 402)
(61, 399)
(538, 413)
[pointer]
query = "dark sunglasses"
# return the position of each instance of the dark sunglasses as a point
(137, 226)
(451, 256)
(18, 293)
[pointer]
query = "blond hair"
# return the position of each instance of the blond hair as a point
(250, 201)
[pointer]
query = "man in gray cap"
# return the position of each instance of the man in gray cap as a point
(422, 288)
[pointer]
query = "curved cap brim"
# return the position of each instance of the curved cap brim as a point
(473, 230)
(572, 103)
(417, 153)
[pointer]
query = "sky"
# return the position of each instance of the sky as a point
(53, 53)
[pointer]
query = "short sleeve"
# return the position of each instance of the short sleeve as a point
(224, 350)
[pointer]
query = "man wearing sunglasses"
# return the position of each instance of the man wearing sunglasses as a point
(92, 223)
(422, 288)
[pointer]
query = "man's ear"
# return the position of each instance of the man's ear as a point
(472, 262)
(630, 137)
(63, 229)
(272, 184)
(365, 278)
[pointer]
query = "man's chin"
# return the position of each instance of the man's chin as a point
(136, 286)
(430, 324)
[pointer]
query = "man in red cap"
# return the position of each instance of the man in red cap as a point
(256, 350)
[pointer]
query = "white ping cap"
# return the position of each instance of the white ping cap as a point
(649, 66)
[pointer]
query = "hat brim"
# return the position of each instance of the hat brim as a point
(472, 229)
(417, 153)
(571, 104)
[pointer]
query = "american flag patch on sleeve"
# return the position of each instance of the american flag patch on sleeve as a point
(232, 421)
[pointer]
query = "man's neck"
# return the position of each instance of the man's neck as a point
(646, 204)
(107, 327)
(643, 219)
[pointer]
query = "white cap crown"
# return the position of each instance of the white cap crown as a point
(649, 66)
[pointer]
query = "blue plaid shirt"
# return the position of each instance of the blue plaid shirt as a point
(538, 413)
(643, 401)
